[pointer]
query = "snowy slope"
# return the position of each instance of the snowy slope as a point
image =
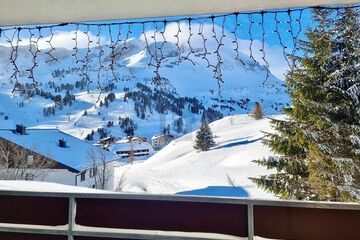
(179, 168)
(241, 81)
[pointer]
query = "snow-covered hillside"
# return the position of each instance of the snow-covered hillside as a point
(179, 168)
(189, 89)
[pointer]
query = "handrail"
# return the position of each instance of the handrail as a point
(84, 231)
(72, 229)
(183, 198)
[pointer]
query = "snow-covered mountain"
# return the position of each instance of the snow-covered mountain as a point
(65, 100)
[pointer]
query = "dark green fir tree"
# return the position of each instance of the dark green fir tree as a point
(204, 137)
(317, 145)
(291, 142)
(341, 138)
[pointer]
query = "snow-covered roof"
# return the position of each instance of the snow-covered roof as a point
(46, 143)
(162, 135)
(35, 186)
(127, 146)
(107, 139)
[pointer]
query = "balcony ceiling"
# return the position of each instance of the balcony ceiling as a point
(23, 12)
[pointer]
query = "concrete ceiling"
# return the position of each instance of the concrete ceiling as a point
(24, 12)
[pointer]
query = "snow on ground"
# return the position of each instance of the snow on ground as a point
(179, 168)
(34, 186)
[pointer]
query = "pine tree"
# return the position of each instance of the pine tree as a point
(129, 131)
(343, 110)
(290, 142)
(204, 137)
(89, 137)
(179, 125)
(258, 112)
(167, 129)
(316, 144)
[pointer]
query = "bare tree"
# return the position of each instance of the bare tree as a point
(231, 181)
(258, 112)
(100, 171)
(121, 183)
(131, 152)
(18, 163)
(232, 120)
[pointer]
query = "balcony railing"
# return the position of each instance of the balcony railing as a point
(83, 216)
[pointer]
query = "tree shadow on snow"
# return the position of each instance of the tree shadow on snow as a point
(218, 191)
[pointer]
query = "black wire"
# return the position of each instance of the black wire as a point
(177, 43)
(191, 50)
(51, 49)
(100, 64)
(236, 40)
(251, 22)
(205, 52)
(76, 48)
(163, 42)
(277, 31)
(267, 65)
(85, 67)
(219, 41)
(14, 55)
(112, 56)
(35, 44)
(157, 63)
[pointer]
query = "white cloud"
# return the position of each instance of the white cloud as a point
(274, 53)
(64, 39)
(172, 30)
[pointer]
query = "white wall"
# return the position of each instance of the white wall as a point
(89, 181)
(62, 176)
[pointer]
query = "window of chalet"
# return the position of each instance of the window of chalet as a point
(29, 176)
(83, 176)
(93, 172)
(30, 159)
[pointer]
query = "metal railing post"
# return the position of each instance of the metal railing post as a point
(250, 220)
(71, 219)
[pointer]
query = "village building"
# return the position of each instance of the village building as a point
(161, 140)
(107, 174)
(101, 175)
(68, 155)
(136, 147)
(106, 142)
(136, 139)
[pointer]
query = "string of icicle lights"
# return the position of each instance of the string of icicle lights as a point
(119, 33)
